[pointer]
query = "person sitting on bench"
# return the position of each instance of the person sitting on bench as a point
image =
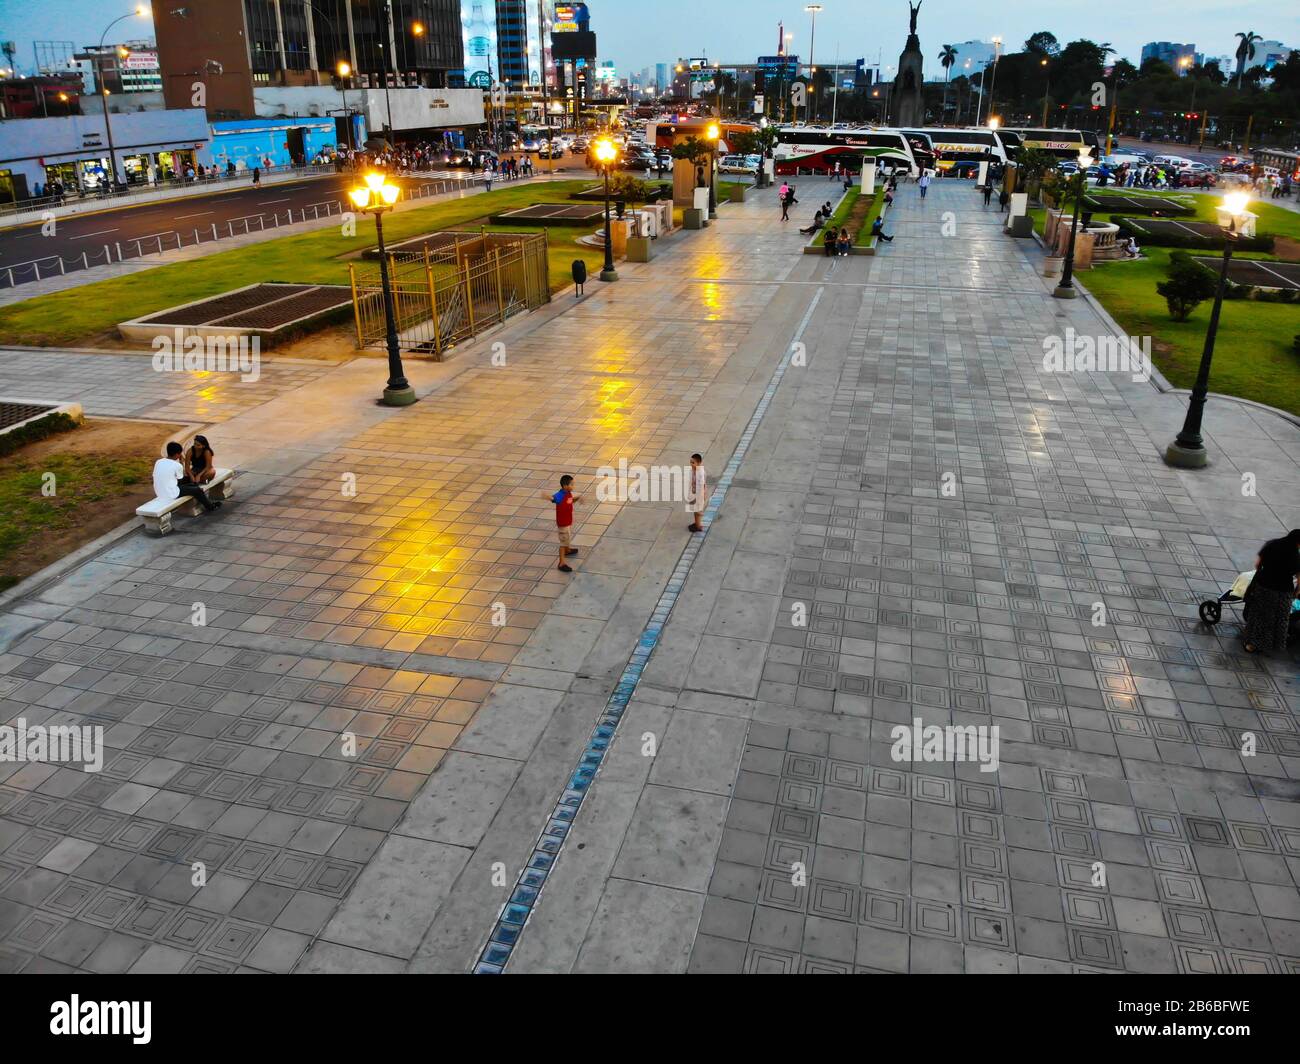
(828, 242)
(199, 467)
(169, 479)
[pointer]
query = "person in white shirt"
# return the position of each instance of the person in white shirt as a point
(169, 479)
(698, 492)
(924, 182)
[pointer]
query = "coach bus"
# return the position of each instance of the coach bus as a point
(1063, 143)
(817, 149)
(963, 149)
(1284, 162)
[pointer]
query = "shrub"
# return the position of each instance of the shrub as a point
(1189, 285)
(40, 429)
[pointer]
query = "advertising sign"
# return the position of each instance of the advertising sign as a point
(479, 27)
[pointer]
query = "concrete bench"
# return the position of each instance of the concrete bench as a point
(157, 513)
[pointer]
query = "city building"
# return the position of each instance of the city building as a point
(1169, 53)
(41, 97)
(520, 37)
(972, 57)
(663, 79)
(131, 66)
(74, 149)
(1268, 54)
(223, 52)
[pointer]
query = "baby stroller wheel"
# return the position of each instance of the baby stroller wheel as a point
(1211, 611)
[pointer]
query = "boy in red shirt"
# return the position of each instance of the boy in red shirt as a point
(564, 500)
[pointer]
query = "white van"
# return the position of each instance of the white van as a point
(1177, 162)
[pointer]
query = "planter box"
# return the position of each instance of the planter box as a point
(694, 218)
(639, 249)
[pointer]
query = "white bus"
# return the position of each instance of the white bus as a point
(963, 149)
(816, 149)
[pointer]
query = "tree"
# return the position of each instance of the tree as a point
(1245, 51)
(1043, 43)
(695, 151)
(947, 58)
(1189, 285)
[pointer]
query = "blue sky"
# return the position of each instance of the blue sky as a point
(634, 35)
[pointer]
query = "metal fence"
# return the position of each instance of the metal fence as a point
(452, 289)
(158, 243)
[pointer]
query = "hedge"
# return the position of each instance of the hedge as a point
(40, 429)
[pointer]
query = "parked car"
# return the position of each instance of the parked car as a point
(738, 164)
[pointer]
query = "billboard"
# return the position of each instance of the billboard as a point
(570, 18)
(478, 20)
(533, 35)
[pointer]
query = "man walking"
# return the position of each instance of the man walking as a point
(564, 500)
(988, 193)
(924, 182)
(783, 194)
(698, 492)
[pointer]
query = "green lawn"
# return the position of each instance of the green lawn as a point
(1253, 356)
(79, 314)
(82, 480)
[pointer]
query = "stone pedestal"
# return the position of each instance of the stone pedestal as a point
(909, 106)
(639, 249)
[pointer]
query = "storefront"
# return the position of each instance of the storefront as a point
(73, 150)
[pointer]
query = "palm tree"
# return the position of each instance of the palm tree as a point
(946, 60)
(1245, 50)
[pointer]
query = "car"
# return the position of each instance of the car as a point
(530, 144)
(579, 145)
(639, 160)
(1194, 167)
(551, 151)
(736, 164)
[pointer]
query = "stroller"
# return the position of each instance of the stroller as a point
(1211, 610)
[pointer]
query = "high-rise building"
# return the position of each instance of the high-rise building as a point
(520, 33)
(232, 47)
(1268, 54)
(662, 77)
(1171, 54)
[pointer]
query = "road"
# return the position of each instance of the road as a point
(119, 228)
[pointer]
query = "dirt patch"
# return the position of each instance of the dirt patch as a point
(1286, 248)
(101, 474)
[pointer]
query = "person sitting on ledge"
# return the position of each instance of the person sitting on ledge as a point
(878, 229)
(828, 242)
(818, 219)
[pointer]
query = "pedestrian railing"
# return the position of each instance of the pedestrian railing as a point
(157, 243)
(450, 292)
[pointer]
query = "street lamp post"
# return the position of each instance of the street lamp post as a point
(607, 154)
(344, 70)
(1188, 449)
(809, 108)
(1047, 87)
(139, 12)
(375, 197)
(712, 134)
(1066, 289)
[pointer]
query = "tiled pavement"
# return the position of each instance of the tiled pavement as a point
(125, 385)
(332, 615)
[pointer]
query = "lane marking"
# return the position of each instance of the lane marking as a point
(182, 217)
(263, 203)
(87, 236)
(515, 913)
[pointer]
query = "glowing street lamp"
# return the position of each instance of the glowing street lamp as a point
(1066, 289)
(1188, 449)
(375, 197)
(606, 153)
(344, 71)
(712, 134)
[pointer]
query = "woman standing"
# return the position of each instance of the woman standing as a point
(1271, 593)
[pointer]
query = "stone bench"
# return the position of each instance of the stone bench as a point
(157, 513)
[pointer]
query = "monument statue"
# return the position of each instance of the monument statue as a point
(908, 103)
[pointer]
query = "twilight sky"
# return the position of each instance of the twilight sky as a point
(739, 30)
